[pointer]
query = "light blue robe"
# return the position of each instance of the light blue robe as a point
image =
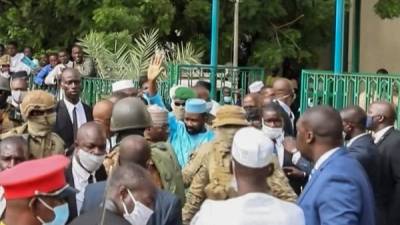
(184, 143)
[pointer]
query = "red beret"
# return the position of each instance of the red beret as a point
(29, 178)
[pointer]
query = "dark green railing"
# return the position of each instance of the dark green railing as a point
(235, 78)
(340, 90)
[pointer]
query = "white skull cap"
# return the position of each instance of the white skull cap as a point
(256, 86)
(251, 148)
(121, 85)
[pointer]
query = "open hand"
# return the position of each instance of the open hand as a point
(289, 143)
(155, 67)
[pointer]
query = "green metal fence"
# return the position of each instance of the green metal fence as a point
(341, 90)
(236, 79)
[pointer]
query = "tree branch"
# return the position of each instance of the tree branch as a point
(290, 22)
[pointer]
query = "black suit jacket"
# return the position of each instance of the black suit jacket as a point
(94, 218)
(100, 175)
(63, 126)
(389, 148)
(288, 127)
(167, 209)
(366, 153)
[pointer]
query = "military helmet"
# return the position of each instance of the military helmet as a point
(4, 84)
(130, 113)
(36, 100)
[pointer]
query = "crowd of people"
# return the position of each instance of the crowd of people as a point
(129, 160)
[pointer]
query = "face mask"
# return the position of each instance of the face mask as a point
(61, 214)
(179, 111)
(369, 123)
(18, 96)
(227, 99)
(140, 214)
(41, 125)
(272, 133)
(90, 161)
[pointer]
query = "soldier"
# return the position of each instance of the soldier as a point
(37, 109)
(5, 108)
(157, 134)
(209, 171)
(130, 117)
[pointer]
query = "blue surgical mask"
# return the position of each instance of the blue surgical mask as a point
(369, 122)
(61, 214)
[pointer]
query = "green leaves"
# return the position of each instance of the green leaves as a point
(388, 9)
(117, 57)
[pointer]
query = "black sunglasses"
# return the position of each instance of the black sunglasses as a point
(179, 104)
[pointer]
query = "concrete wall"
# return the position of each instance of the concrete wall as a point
(380, 41)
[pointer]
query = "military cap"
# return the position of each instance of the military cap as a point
(184, 93)
(40, 177)
(36, 100)
(230, 115)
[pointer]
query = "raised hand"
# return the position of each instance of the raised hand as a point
(155, 67)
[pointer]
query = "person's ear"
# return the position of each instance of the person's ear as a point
(309, 137)
(381, 119)
(270, 170)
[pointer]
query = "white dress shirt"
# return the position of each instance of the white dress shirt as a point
(17, 65)
(379, 135)
(249, 209)
(280, 150)
(325, 157)
(80, 112)
(81, 177)
(355, 138)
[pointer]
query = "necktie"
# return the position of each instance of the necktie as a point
(74, 122)
(90, 179)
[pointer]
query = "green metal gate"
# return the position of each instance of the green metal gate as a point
(341, 90)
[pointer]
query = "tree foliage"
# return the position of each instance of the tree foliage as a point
(270, 31)
(388, 9)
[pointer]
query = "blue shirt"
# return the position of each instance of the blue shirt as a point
(39, 78)
(154, 100)
(184, 143)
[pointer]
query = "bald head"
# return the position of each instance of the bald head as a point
(134, 148)
(102, 114)
(13, 150)
(354, 115)
(319, 130)
(283, 89)
(91, 138)
(382, 114)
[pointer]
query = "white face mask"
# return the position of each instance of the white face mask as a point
(272, 133)
(140, 214)
(89, 161)
(227, 99)
(18, 96)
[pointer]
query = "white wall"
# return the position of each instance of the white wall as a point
(380, 41)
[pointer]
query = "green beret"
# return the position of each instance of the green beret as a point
(184, 93)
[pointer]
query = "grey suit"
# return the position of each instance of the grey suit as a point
(167, 209)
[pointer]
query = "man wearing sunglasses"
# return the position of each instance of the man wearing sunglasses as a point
(38, 110)
(179, 95)
(35, 192)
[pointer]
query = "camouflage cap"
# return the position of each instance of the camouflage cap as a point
(37, 100)
(230, 115)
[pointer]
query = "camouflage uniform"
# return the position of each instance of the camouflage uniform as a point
(166, 171)
(41, 141)
(209, 173)
(5, 121)
(39, 146)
